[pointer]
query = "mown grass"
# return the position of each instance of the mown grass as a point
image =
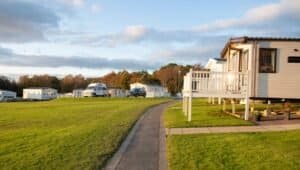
(65, 133)
(203, 114)
(265, 151)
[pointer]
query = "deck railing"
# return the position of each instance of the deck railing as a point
(216, 84)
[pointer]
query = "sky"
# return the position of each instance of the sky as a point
(94, 37)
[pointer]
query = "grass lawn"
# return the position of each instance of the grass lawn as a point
(203, 114)
(65, 133)
(271, 150)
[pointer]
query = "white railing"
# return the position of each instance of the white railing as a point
(216, 84)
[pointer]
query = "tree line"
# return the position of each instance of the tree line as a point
(169, 76)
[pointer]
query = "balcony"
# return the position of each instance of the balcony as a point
(232, 85)
(215, 84)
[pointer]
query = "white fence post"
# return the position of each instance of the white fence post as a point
(190, 95)
(247, 100)
(219, 100)
(183, 104)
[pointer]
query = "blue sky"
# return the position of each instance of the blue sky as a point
(93, 37)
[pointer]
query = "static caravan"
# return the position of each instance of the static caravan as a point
(216, 65)
(6, 95)
(273, 65)
(255, 68)
(39, 93)
(78, 93)
(152, 90)
(116, 92)
(64, 95)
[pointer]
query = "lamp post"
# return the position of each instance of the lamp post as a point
(178, 83)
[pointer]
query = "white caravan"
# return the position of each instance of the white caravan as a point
(95, 89)
(39, 93)
(7, 95)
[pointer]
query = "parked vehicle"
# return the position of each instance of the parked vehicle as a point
(152, 90)
(95, 89)
(7, 95)
(137, 92)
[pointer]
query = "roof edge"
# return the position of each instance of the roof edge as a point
(245, 39)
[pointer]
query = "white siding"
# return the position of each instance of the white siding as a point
(39, 93)
(7, 95)
(285, 82)
(215, 65)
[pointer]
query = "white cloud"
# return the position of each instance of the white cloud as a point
(96, 8)
(75, 3)
(25, 21)
(274, 19)
(9, 58)
(259, 17)
(192, 54)
(133, 33)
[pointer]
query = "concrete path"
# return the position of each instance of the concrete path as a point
(144, 147)
(232, 129)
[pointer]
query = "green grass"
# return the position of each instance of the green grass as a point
(203, 114)
(65, 133)
(265, 151)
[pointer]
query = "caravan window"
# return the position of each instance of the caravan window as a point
(267, 60)
(243, 61)
(294, 59)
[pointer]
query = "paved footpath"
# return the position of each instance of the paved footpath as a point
(232, 129)
(144, 147)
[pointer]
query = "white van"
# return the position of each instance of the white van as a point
(95, 89)
(7, 95)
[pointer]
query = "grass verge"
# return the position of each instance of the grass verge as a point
(65, 133)
(265, 151)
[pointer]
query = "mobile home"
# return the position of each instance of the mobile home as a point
(255, 68)
(7, 95)
(273, 65)
(39, 93)
(77, 93)
(117, 92)
(216, 65)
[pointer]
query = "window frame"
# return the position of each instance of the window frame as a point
(275, 60)
(244, 60)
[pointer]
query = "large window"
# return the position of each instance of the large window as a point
(267, 60)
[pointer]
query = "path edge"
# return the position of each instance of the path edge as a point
(117, 156)
(162, 160)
